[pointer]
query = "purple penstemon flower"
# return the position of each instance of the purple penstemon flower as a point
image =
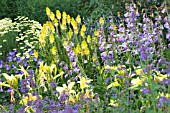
(1, 64)
(8, 67)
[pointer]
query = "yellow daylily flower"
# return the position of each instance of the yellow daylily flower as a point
(84, 82)
(66, 88)
(114, 84)
(59, 75)
(136, 82)
(12, 80)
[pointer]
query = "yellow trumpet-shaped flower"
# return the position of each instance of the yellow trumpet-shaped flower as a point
(64, 15)
(84, 83)
(118, 13)
(12, 80)
(54, 50)
(35, 54)
(101, 21)
(114, 84)
(78, 19)
(88, 39)
(58, 14)
(68, 19)
(77, 50)
(70, 33)
(59, 75)
(136, 82)
(67, 88)
(84, 44)
(48, 11)
(63, 26)
(52, 38)
(139, 71)
(82, 33)
(52, 16)
(83, 28)
(55, 22)
(74, 24)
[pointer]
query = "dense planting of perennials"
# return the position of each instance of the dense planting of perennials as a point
(67, 67)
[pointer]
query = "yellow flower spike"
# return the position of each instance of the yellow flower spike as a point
(51, 38)
(74, 24)
(58, 14)
(52, 27)
(70, 33)
(55, 22)
(48, 11)
(83, 28)
(118, 13)
(77, 50)
(78, 19)
(82, 34)
(52, 16)
(114, 84)
(42, 39)
(63, 26)
(101, 21)
(68, 19)
(86, 51)
(64, 21)
(64, 15)
(76, 31)
(35, 54)
(84, 44)
(54, 50)
(88, 39)
(114, 27)
(96, 33)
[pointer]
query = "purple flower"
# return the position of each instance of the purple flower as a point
(12, 53)
(104, 55)
(9, 59)
(1, 63)
(7, 67)
(146, 90)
